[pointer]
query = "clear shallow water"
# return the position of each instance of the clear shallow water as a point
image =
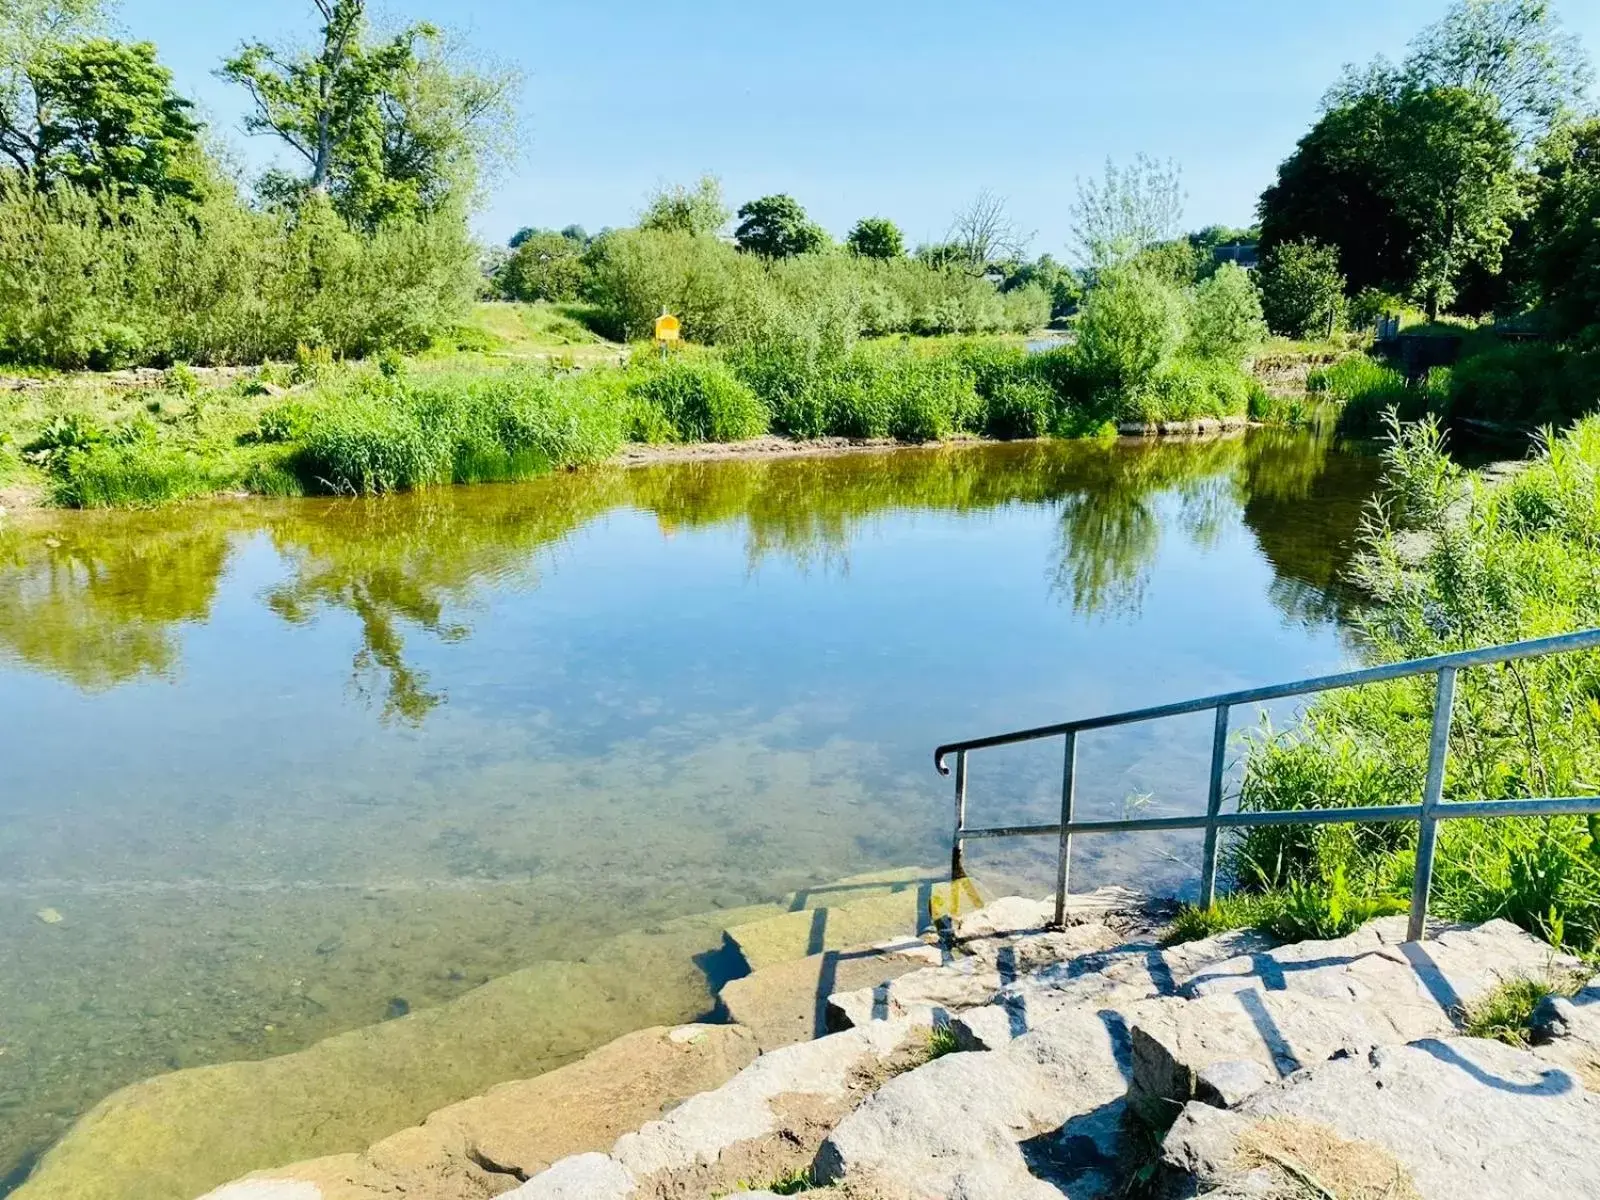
(288, 769)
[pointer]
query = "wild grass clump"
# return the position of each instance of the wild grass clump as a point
(941, 1041)
(137, 474)
(1299, 911)
(1236, 910)
(385, 435)
(694, 399)
(1505, 1013)
(1368, 389)
(1451, 563)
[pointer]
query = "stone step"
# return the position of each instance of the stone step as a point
(233, 1118)
(1439, 1119)
(1120, 975)
(766, 1121)
(788, 1002)
(992, 948)
(1036, 1120)
(855, 914)
(489, 1144)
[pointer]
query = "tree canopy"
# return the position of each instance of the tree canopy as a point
(386, 127)
(699, 209)
(106, 119)
(876, 237)
(777, 227)
(1126, 212)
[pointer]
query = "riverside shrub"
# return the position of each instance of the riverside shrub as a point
(1131, 327)
(1501, 563)
(91, 281)
(695, 400)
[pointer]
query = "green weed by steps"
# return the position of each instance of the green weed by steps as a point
(1449, 563)
(1505, 1013)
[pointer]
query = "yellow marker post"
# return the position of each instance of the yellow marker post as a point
(667, 327)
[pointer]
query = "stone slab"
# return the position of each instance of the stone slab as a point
(485, 1146)
(788, 1001)
(1041, 1118)
(1462, 1117)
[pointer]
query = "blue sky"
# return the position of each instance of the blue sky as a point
(881, 107)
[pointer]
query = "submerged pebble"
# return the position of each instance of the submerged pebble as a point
(49, 916)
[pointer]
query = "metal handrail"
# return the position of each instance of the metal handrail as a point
(1431, 810)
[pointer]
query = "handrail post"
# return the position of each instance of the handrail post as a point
(1432, 792)
(958, 846)
(1219, 752)
(1069, 787)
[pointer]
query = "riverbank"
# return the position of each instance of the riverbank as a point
(316, 427)
(977, 1051)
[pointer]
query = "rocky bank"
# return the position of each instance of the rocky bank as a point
(998, 1059)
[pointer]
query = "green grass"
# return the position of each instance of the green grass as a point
(789, 1183)
(392, 423)
(1505, 1013)
(1500, 562)
(942, 1041)
(1236, 910)
(1300, 911)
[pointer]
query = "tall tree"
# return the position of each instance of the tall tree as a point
(1452, 173)
(30, 29)
(1513, 51)
(1564, 228)
(777, 227)
(384, 126)
(699, 209)
(1334, 189)
(876, 237)
(983, 234)
(110, 122)
(1131, 209)
(98, 114)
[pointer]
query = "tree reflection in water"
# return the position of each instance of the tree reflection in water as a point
(98, 599)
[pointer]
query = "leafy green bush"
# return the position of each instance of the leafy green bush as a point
(1498, 564)
(1131, 327)
(1302, 290)
(698, 400)
(1187, 389)
(1227, 321)
(1538, 384)
(99, 282)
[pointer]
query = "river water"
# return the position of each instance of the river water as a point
(277, 770)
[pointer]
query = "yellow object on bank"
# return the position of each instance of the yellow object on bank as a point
(666, 328)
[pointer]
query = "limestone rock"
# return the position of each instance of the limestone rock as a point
(788, 1001)
(700, 1130)
(992, 962)
(1461, 1117)
(581, 1177)
(1176, 1040)
(267, 1189)
(1041, 1117)
(1228, 1083)
(1419, 987)
(485, 1146)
